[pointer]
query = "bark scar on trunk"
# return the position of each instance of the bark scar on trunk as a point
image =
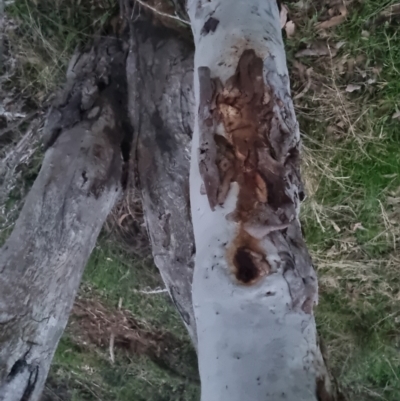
(207, 148)
(236, 121)
(13, 382)
(210, 26)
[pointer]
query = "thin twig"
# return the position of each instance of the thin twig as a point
(53, 393)
(112, 355)
(156, 291)
(142, 3)
(306, 88)
(14, 126)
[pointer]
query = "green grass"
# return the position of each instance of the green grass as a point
(353, 178)
(92, 377)
(47, 35)
(113, 275)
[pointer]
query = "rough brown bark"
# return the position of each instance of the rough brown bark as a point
(160, 76)
(42, 261)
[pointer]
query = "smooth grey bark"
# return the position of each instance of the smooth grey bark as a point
(160, 76)
(42, 261)
(254, 285)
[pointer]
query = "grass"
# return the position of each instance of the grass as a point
(115, 278)
(48, 33)
(352, 173)
(351, 216)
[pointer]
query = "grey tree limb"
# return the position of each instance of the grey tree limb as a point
(254, 284)
(42, 261)
(160, 76)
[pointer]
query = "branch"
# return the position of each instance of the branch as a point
(163, 14)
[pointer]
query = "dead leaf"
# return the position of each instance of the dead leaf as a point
(335, 20)
(301, 68)
(352, 88)
(290, 28)
(307, 87)
(391, 12)
(340, 44)
(396, 116)
(377, 69)
(330, 23)
(361, 72)
(331, 129)
(303, 5)
(316, 50)
(357, 226)
(283, 15)
(343, 10)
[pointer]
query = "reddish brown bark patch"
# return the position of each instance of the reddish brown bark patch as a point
(240, 108)
(242, 154)
(244, 109)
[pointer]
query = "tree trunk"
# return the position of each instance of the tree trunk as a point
(254, 285)
(160, 75)
(42, 261)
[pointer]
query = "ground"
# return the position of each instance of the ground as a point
(125, 342)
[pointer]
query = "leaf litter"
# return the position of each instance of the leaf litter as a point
(286, 23)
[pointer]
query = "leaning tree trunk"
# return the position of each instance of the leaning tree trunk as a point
(254, 285)
(42, 261)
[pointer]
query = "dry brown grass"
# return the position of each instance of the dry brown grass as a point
(127, 227)
(345, 100)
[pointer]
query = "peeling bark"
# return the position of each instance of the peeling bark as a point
(42, 261)
(160, 73)
(254, 285)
